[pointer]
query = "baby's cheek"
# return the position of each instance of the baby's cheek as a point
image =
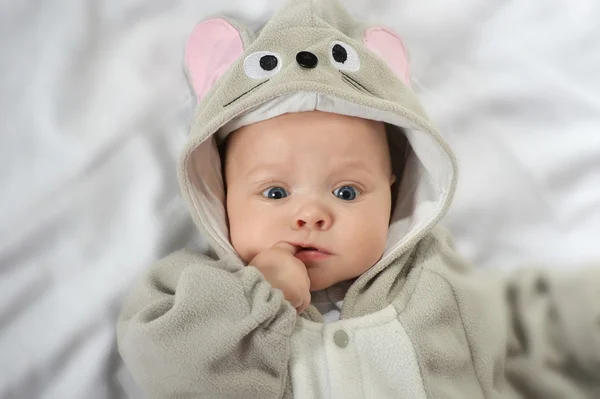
(238, 242)
(241, 237)
(369, 244)
(250, 236)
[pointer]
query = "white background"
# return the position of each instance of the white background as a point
(94, 108)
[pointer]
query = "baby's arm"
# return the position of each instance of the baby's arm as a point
(538, 327)
(195, 327)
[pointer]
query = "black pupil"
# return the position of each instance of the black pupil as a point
(346, 193)
(268, 62)
(339, 53)
(276, 193)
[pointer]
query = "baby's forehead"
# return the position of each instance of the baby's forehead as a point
(310, 138)
(322, 143)
(302, 129)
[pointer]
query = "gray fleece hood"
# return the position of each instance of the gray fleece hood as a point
(311, 55)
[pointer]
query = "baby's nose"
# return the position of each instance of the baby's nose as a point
(313, 218)
(317, 224)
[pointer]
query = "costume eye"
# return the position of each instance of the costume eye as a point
(275, 193)
(344, 57)
(346, 193)
(262, 64)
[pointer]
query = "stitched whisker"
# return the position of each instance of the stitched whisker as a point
(237, 98)
(356, 84)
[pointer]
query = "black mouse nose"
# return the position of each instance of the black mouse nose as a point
(306, 59)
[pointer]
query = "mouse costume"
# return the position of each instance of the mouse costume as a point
(418, 324)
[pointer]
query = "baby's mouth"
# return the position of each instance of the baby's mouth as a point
(310, 248)
(307, 249)
(311, 254)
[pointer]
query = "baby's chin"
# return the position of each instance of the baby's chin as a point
(319, 282)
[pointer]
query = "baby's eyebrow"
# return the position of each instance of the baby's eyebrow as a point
(351, 164)
(262, 170)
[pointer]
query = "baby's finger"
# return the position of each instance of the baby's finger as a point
(286, 246)
(297, 303)
(304, 303)
(307, 281)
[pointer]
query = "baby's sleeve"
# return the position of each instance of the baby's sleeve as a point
(196, 327)
(554, 333)
(546, 320)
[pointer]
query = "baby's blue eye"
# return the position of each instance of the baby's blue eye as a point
(346, 193)
(275, 193)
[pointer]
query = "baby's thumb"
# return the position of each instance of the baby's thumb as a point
(287, 247)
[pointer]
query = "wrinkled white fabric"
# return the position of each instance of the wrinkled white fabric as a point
(94, 108)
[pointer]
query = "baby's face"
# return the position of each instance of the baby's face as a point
(315, 180)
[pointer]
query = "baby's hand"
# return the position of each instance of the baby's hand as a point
(284, 271)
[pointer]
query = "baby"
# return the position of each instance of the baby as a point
(328, 275)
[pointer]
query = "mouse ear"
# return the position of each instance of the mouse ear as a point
(389, 47)
(213, 46)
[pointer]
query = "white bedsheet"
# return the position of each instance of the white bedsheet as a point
(94, 108)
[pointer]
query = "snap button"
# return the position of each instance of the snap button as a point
(341, 338)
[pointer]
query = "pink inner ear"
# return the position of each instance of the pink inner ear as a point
(213, 46)
(389, 47)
